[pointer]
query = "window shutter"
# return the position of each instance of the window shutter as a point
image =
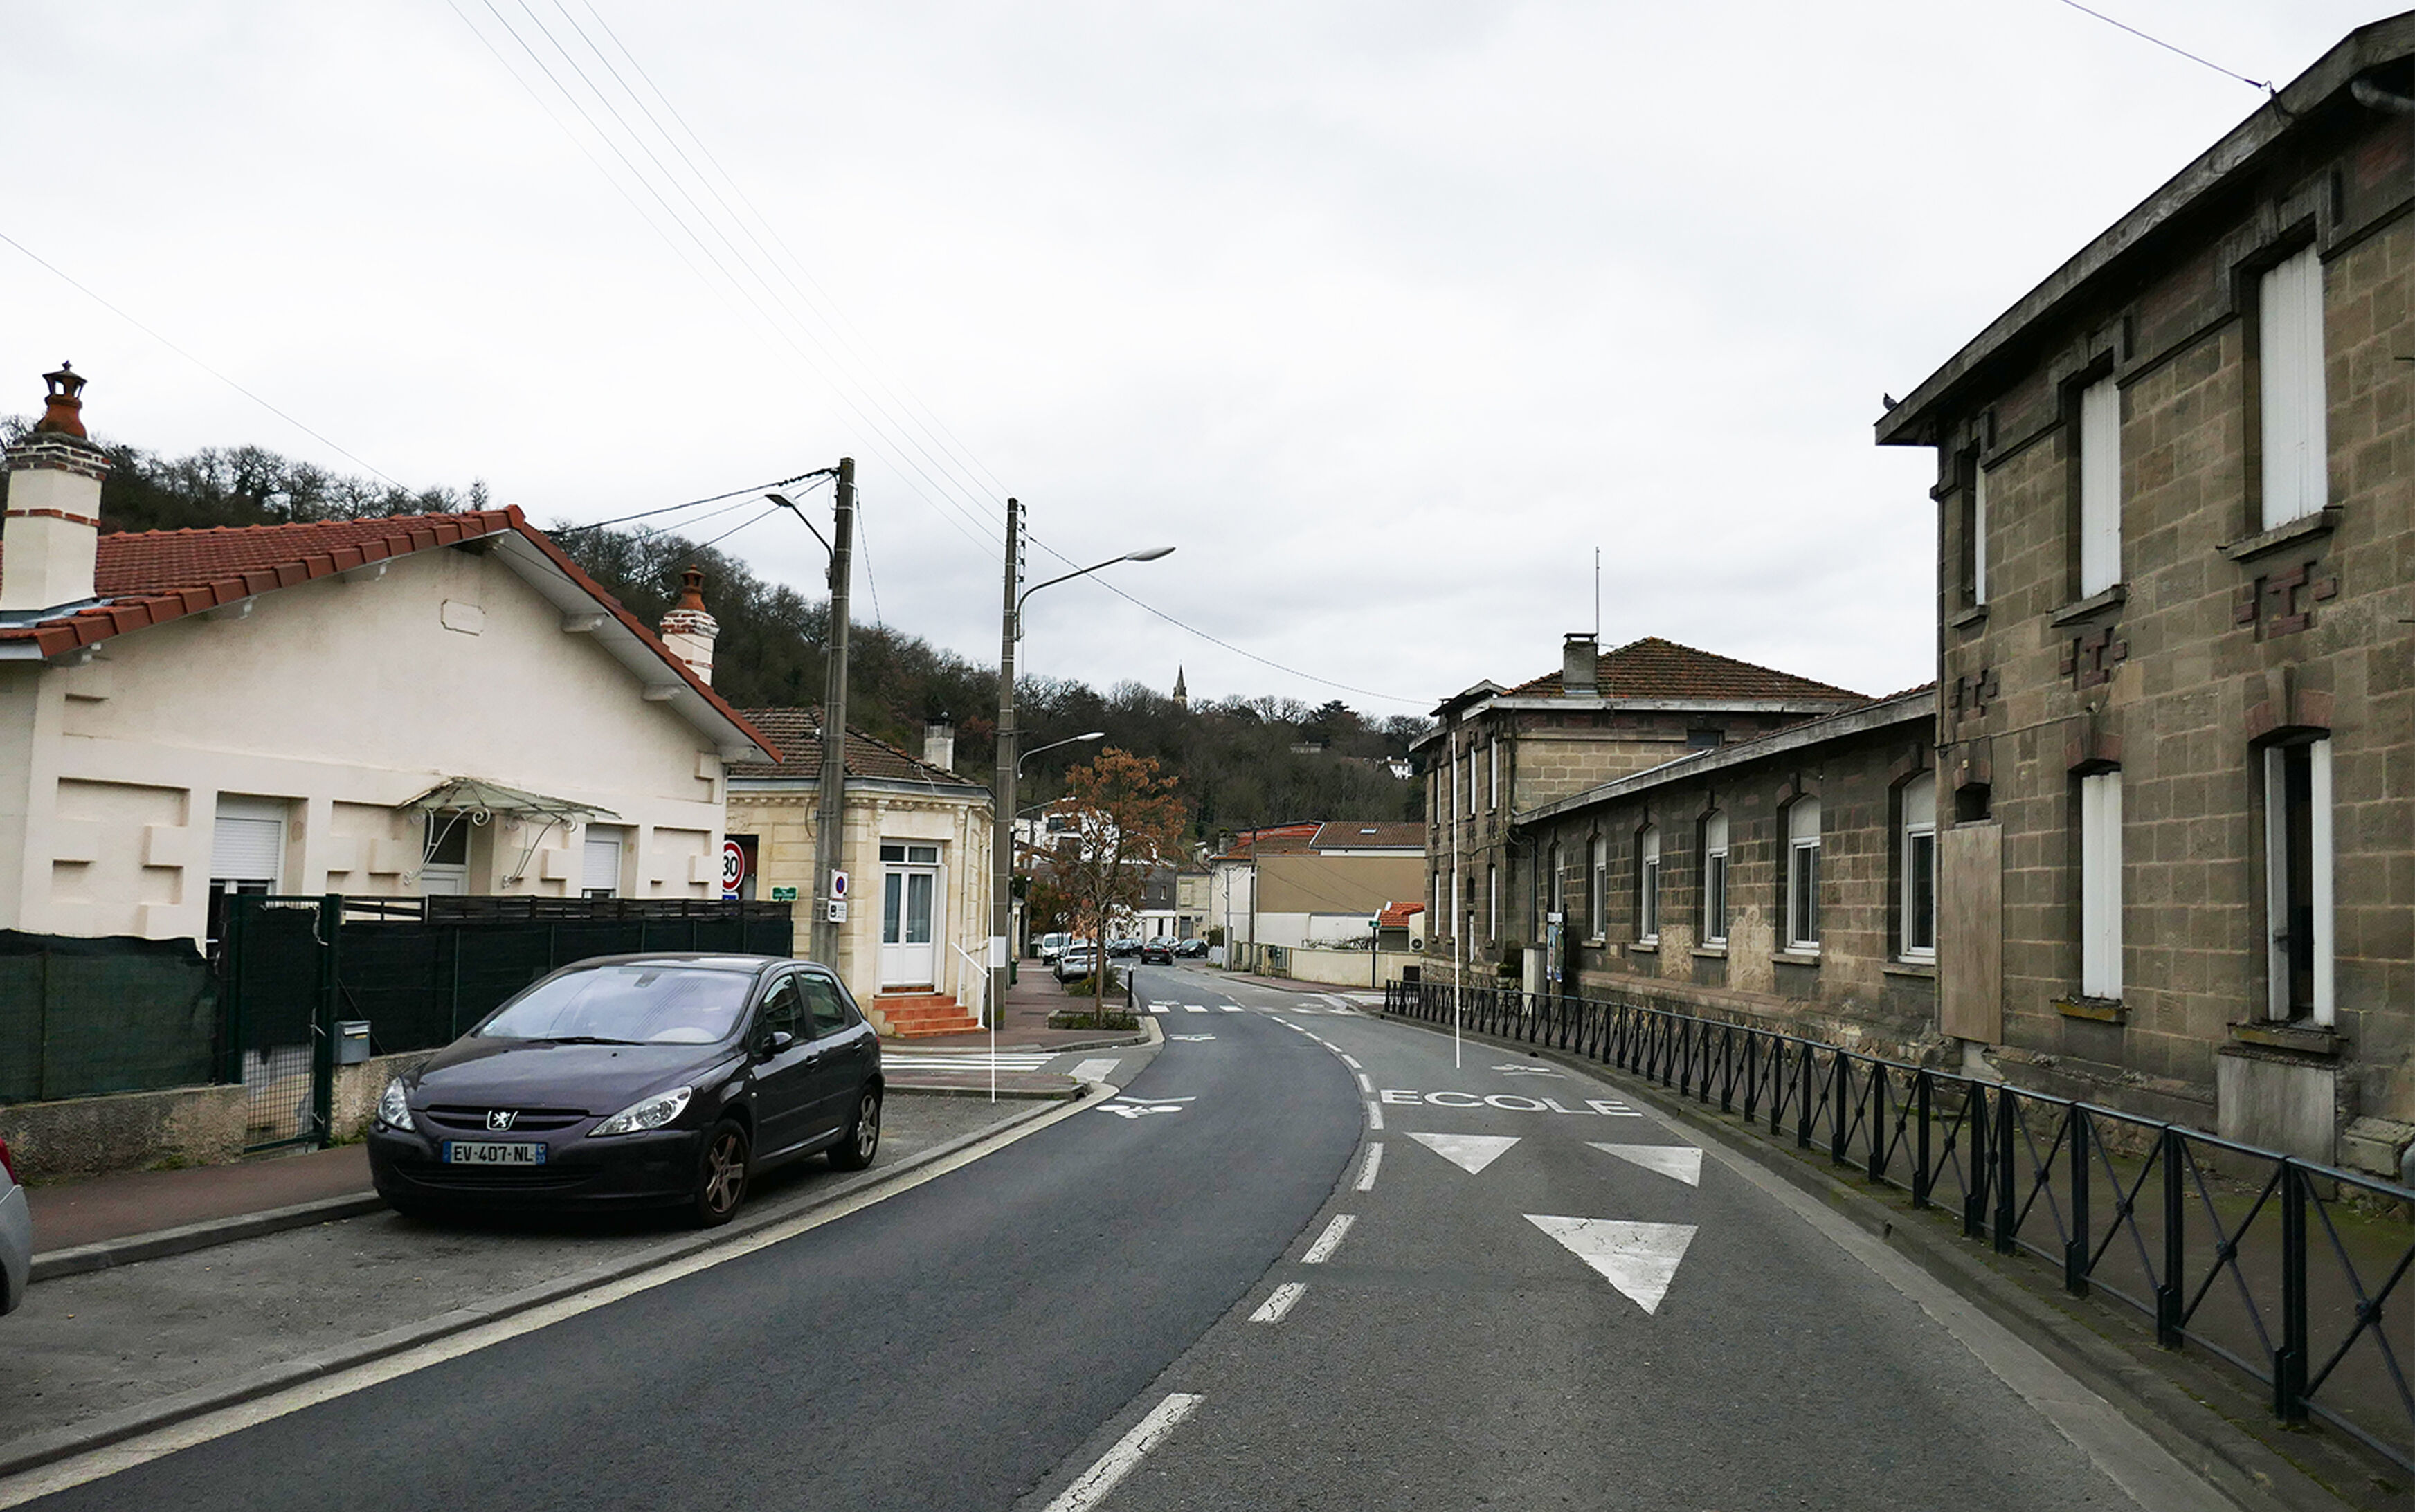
(601, 872)
(2289, 361)
(2100, 885)
(2100, 487)
(248, 843)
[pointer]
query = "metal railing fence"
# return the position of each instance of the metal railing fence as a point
(2284, 1268)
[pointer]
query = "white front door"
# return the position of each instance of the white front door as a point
(909, 915)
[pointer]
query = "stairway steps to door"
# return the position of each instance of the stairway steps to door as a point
(909, 1016)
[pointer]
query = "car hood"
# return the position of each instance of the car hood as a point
(543, 1073)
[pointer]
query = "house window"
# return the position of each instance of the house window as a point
(1493, 775)
(600, 869)
(1492, 903)
(2298, 878)
(1715, 878)
(1802, 875)
(1439, 918)
(1471, 782)
(2100, 487)
(2289, 378)
(2100, 885)
(1647, 886)
(1918, 859)
(247, 857)
(1599, 896)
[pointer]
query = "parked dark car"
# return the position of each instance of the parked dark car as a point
(16, 1236)
(1159, 951)
(631, 1081)
(1123, 950)
(1192, 949)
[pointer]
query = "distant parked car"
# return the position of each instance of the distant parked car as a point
(634, 1079)
(1192, 949)
(16, 1236)
(1053, 946)
(1159, 951)
(1077, 962)
(1123, 950)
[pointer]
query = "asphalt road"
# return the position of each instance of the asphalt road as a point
(1509, 1317)
(947, 1348)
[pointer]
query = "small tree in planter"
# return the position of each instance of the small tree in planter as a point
(1126, 821)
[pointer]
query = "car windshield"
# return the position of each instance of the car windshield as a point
(626, 1004)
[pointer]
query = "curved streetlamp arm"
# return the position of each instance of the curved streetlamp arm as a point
(1094, 735)
(1149, 555)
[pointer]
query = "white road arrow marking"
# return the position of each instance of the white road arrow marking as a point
(1471, 1153)
(1529, 1071)
(1683, 1161)
(1639, 1258)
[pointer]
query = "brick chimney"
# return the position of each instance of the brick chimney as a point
(688, 630)
(1579, 667)
(49, 532)
(939, 742)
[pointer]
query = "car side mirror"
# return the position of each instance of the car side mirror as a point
(780, 1039)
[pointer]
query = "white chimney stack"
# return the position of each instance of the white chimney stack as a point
(688, 630)
(940, 743)
(50, 531)
(1579, 667)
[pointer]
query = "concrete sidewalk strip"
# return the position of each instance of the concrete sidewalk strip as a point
(117, 1425)
(186, 1238)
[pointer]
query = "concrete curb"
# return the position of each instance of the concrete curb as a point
(114, 1427)
(2203, 1417)
(159, 1243)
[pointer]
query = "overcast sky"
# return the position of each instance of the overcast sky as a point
(1386, 315)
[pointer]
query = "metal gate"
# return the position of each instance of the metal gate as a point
(280, 971)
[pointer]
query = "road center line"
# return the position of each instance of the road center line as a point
(1278, 1304)
(1126, 1456)
(1328, 1241)
(1375, 1159)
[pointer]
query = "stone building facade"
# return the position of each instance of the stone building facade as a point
(1496, 750)
(2177, 718)
(1788, 879)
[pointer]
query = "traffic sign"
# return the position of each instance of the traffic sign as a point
(733, 867)
(838, 887)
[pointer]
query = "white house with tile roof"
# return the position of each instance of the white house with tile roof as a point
(440, 703)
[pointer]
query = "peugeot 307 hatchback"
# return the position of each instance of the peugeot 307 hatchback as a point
(634, 1080)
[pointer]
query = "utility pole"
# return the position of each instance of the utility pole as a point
(830, 833)
(1001, 859)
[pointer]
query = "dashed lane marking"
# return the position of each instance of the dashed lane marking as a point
(1375, 1115)
(1375, 1162)
(1130, 1450)
(1352, 1064)
(1328, 1241)
(1364, 1084)
(1274, 1307)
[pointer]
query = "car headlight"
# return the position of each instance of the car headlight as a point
(652, 1113)
(394, 1109)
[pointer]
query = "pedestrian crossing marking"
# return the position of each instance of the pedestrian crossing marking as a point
(1231, 1007)
(1639, 1258)
(1160, 1007)
(1195, 1008)
(1096, 1071)
(967, 1060)
(1682, 1161)
(1471, 1153)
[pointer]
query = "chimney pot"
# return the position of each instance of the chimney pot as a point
(689, 630)
(939, 742)
(51, 522)
(1579, 667)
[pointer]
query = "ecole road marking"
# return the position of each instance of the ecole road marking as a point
(1506, 1102)
(1328, 1241)
(1126, 1456)
(1374, 1161)
(1274, 1307)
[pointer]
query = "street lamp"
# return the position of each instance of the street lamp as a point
(1094, 735)
(1001, 912)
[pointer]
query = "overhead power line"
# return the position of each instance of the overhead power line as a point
(2148, 37)
(56, 270)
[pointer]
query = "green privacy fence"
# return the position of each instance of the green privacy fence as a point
(84, 1017)
(421, 971)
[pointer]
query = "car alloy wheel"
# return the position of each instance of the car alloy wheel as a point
(862, 1140)
(720, 1175)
